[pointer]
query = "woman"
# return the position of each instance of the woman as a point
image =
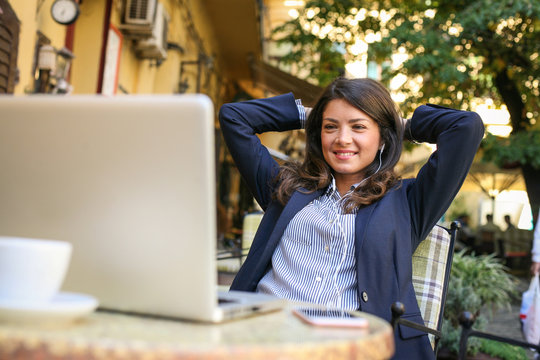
(340, 228)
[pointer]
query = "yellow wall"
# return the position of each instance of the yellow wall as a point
(209, 39)
(54, 31)
(34, 15)
(131, 68)
(87, 47)
(145, 76)
(188, 27)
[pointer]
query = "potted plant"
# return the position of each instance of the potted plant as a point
(481, 285)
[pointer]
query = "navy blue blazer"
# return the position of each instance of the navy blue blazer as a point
(387, 232)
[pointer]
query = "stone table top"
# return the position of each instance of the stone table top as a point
(276, 335)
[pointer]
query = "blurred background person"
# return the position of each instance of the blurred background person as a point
(535, 267)
(488, 236)
(466, 234)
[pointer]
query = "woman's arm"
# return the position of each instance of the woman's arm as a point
(458, 135)
(240, 122)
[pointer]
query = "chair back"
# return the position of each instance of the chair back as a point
(230, 261)
(431, 265)
(250, 225)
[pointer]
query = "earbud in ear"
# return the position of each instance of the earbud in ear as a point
(382, 148)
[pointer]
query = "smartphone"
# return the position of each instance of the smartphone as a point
(330, 318)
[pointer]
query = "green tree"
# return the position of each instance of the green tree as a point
(455, 52)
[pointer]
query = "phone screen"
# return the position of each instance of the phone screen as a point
(334, 317)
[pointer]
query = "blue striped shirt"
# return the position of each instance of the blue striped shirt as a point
(314, 261)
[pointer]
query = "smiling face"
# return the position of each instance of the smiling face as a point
(350, 140)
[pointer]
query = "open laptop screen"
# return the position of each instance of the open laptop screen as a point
(130, 181)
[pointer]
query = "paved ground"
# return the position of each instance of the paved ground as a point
(505, 322)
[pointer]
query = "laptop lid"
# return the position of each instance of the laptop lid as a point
(130, 181)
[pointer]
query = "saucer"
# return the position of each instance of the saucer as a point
(63, 307)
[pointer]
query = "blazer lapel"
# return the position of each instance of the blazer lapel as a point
(360, 227)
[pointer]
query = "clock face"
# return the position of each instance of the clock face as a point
(65, 12)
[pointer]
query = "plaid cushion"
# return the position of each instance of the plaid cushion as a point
(429, 269)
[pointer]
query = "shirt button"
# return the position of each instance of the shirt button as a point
(364, 296)
(318, 278)
(327, 248)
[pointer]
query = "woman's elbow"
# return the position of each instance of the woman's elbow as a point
(475, 125)
(225, 113)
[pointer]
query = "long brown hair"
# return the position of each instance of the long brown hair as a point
(314, 173)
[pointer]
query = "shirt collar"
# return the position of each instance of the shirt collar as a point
(354, 186)
(331, 189)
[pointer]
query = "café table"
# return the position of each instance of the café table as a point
(117, 336)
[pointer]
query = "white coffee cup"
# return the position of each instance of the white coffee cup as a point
(32, 270)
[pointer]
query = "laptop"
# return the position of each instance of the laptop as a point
(130, 182)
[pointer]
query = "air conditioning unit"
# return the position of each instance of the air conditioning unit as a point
(140, 12)
(155, 47)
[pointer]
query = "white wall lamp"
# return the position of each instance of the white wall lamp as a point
(53, 65)
(46, 67)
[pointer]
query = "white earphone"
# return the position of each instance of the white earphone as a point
(382, 148)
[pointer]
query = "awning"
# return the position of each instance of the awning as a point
(279, 82)
(493, 180)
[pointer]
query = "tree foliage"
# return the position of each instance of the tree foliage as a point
(453, 52)
(522, 148)
(456, 50)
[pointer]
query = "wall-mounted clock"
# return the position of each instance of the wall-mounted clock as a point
(65, 12)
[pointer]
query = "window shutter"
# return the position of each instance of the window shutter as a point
(9, 44)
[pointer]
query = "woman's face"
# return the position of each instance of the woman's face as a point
(350, 140)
